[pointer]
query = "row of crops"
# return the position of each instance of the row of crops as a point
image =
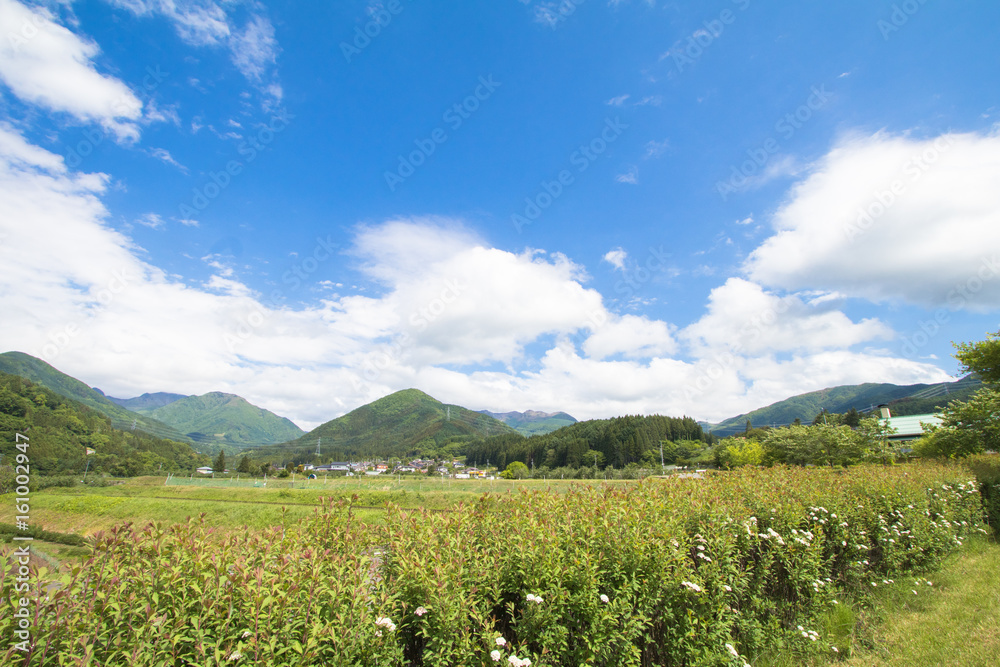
(663, 572)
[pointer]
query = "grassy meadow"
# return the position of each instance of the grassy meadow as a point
(231, 503)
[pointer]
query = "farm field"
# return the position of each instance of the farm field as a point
(234, 504)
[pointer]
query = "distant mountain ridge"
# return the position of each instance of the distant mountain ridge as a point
(533, 422)
(221, 417)
(146, 402)
(902, 400)
(210, 422)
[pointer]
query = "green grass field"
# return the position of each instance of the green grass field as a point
(228, 505)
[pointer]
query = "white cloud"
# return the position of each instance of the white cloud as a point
(617, 101)
(632, 337)
(616, 258)
(656, 148)
(746, 221)
(887, 217)
(254, 48)
(745, 319)
(151, 220)
(45, 64)
(630, 177)
(164, 155)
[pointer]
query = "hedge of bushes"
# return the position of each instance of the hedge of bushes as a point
(986, 468)
(664, 572)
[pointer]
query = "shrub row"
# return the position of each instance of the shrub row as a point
(986, 468)
(7, 533)
(663, 572)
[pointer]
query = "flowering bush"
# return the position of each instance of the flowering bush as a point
(663, 572)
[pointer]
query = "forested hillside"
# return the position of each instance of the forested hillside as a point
(60, 430)
(616, 442)
(42, 373)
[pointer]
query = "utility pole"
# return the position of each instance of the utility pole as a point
(318, 440)
(663, 468)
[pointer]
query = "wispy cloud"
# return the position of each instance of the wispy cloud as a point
(631, 177)
(655, 149)
(164, 155)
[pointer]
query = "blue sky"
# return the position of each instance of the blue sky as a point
(598, 207)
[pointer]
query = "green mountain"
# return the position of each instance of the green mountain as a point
(61, 430)
(147, 402)
(39, 372)
(902, 400)
(406, 423)
(223, 419)
(533, 422)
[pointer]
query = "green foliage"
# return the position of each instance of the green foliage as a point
(220, 463)
(516, 470)
(244, 465)
(617, 442)
(739, 451)
(969, 427)
(657, 573)
(981, 357)
(986, 468)
(822, 444)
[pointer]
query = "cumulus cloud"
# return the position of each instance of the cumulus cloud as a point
(616, 258)
(45, 64)
(744, 318)
(888, 217)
